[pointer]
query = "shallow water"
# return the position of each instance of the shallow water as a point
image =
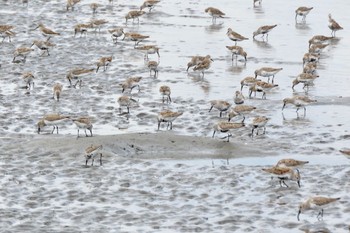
(181, 30)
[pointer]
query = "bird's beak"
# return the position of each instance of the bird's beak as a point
(299, 212)
(299, 183)
(283, 106)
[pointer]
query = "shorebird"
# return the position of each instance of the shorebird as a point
(310, 68)
(71, 4)
(150, 4)
(264, 30)
(52, 119)
(57, 89)
(302, 11)
(203, 65)
(77, 73)
(239, 98)
(195, 60)
(317, 48)
(345, 152)
(28, 78)
(234, 36)
(319, 39)
(43, 45)
(104, 61)
(83, 123)
(240, 110)
(165, 92)
(214, 13)
(92, 152)
(299, 102)
(310, 58)
(82, 28)
(135, 37)
(259, 1)
(316, 203)
(6, 33)
(226, 127)
(333, 25)
(22, 52)
(306, 78)
(116, 33)
(259, 122)
(148, 49)
(97, 24)
(168, 116)
(93, 7)
(248, 81)
(284, 173)
(220, 105)
(153, 66)
(125, 101)
(290, 163)
(267, 72)
(131, 83)
(46, 31)
(261, 86)
(134, 15)
(237, 50)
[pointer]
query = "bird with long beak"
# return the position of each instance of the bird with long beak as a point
(299, 102)
(316, 203)
(283, 174)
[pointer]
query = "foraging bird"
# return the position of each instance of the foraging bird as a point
(52, 119)
(239, 98)
(214, 13)
(134, 15)
(57, 89)
(148, 49)
(150, 4)
(83, 123)
(316, 203)
(319, 39)
(302, 11)
(237, 50)
(290, 163)
(46, 31)
(203, 65)
(227, 127)
(43, 45)
(28, 78)
(125, 101)
(299, 102)
(195, 60)
(333, 25)
(267, 72)
(92, 152)
(264, 30)
(116, 33)
(234, 36)
(306, 78)
(77, 73)
(131, 83)
(103, 61)
(168, 116)
(284, 173)
(165, 91)
(153, 66)
(220, 105)
(261, 86)
(259, 122)
(240, 110)
(71, 4)
(248, 81)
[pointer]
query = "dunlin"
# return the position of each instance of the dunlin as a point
(310, 68)
(150, 4)
(116, 33)
(214, 13)
(203, 65)
(93, 7)
(131, 83)
(284, 173)
(135, 37)
(165, 92)
(317, 203)
(238, 98)
(302, 11)
(71, 4)
(248, 81)
(153, 66)
(22, 52)
(299, 102)
(306, 78)
(195, 60)
(259, 122)
(125, 101)
(97, 24)
(43, 45)
(46, 31)
(57, 89)
(234, 36)
(103, 61)
(310, 58)
(267, 72)
(240, 110)
(333, 25)
(83, 123)
(345, 152)
(237, 50)
(317, 39)
(92, 152)
(317, 48)
(261, 86)
(257, 1)
(6, 34)
(264, 30)
(168, 116)
(290, 163)
(6, 27)
(28, 78)
(52, 120)
(133, 15)
(77, 74)
(226, 127)
(81, 28)
(220, 105)
(148, 49)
